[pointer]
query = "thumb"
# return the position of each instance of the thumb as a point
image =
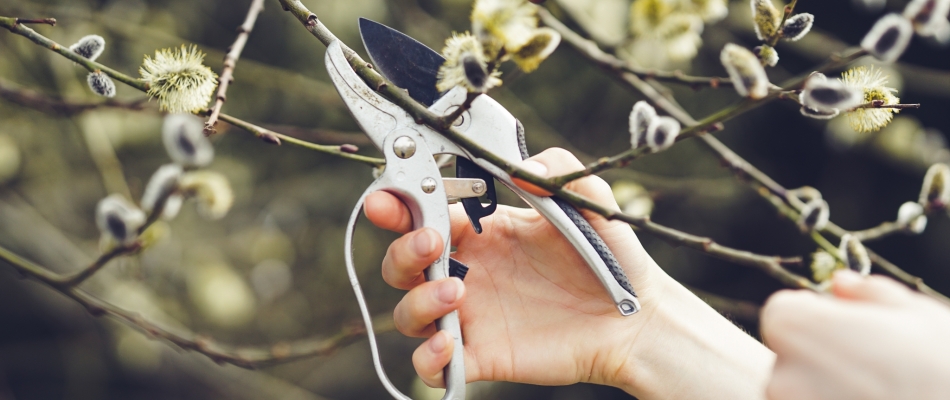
(849, 285)
(555, 162)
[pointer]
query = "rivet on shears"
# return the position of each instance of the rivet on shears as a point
(404, 147)
(428, 185)
(478, 187)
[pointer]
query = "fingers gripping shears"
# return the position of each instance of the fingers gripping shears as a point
(412, 173)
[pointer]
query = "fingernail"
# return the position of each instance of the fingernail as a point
(438, 342)
(847, 277)
(449, 291)
(423, 243)
(534, 167)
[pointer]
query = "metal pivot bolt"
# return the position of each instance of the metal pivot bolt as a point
(428, 185)
(478, 187)
(404, 147)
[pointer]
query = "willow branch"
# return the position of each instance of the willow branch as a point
(880, 104)
(779, 33)
(881, 231)
(269, 136)
(92, 66)
(52, 105)
(739, 166)
(677, 77)
(892, 269)
(772, 265)
(615, 65)
(590, 50)
(46, 21)
(244, 357)
(230, 62)
(328, 136)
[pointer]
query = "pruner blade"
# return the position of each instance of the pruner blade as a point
(375, 115)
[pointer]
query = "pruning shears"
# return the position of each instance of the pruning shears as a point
(412, 173)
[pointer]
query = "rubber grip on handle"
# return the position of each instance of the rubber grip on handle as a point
(598, 243)
(586, 229)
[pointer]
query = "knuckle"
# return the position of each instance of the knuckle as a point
(398, 320)
(779, 312)
(563, 157)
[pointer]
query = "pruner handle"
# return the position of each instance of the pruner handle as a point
(413, 176)
(588, 243)
(578, 231)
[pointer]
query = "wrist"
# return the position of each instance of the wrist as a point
(685, 349)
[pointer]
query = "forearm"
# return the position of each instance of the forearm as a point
(692, 352)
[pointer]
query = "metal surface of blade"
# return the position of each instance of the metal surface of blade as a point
(403, 60)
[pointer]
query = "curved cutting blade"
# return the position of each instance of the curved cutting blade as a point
(403, 60)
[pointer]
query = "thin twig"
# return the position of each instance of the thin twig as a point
(678, 77)
(881, 231)
(880, 104)
(264, 134)
(739, 166)
(92, 66)
(590, 50)
(53, 105)
(230, 62)
(451, 117)
(326, 136)
(616, 65)
(272, 137)
(771, 265)
(244, 357)
(47, 21)
(80, 276)
(779, 33)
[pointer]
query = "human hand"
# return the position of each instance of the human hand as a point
(875, 339)
(531, 310)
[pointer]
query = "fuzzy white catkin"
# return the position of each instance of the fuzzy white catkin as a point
(911, 216)
(10, 158)
(797, 26)
(855, 254)
(101, 84)
(89, 47)
(814, 216)
(746, 71)
(465, 65)
(640, 118)
(813, 113)
(185, 141)
(765, 18)
(172, 206)
(935, 192)
(212, 191)
(941, 34)
(163, 183)
(829, 95)
(927, 16)
(823, 265)
(119, 219)
(888, 38)
(767, 54)
(662, 133)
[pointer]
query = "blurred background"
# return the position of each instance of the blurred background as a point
(272, 270)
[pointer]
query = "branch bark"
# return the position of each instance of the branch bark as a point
(230, 62)
(739, 166)
(92, 66)
(772, 265)
(244, 357)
